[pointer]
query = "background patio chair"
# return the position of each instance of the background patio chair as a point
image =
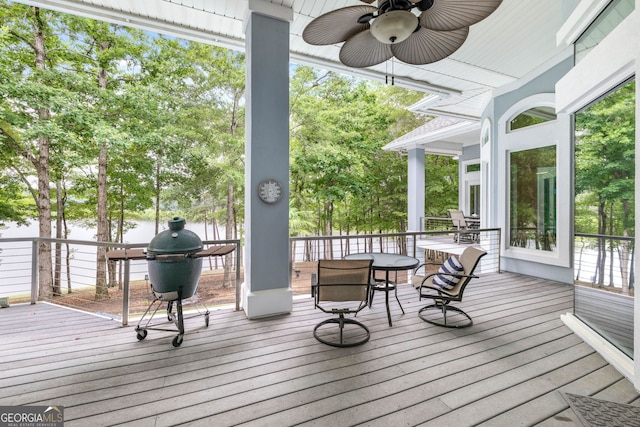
(460, 223)
(342, 288)
(447, 285)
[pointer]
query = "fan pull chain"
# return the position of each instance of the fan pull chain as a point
(386, 73)
(393, 72)
(393, 77)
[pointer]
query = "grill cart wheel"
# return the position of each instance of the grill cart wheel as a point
(177, 341)
(142, 334)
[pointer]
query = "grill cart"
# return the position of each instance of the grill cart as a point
(174, 270)
(174, 260)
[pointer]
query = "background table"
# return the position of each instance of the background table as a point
(387, 262)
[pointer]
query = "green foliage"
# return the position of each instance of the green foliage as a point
(605, 164)
(338, 168)
(441, 182)
(170, 114)
(14, 205)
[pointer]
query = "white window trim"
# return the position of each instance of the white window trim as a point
(486, 188)
(468, 179)
(552, 133)
(579, 20)
(607, 65)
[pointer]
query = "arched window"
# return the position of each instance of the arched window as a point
(535, 191)
(532, 116)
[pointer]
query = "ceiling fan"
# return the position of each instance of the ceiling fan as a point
(373, 35)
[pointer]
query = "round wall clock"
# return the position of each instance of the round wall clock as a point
(269, 191)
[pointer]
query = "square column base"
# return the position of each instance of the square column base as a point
(270, 302)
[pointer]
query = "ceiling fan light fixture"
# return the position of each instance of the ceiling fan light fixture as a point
(394, 26)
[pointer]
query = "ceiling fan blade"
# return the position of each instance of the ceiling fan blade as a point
(336, 26)
(364, 50)
(447, 15)
(426, 46)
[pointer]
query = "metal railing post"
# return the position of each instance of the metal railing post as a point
(34, 271)
(238, 275)
(499, 248)
(126, 294)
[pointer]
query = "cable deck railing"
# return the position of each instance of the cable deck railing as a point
(128, 290)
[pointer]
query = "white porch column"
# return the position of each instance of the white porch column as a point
(267, 290)
(415, 189)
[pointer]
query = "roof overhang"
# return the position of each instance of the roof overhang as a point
(442, 135)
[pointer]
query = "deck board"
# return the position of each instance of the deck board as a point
(508, 369)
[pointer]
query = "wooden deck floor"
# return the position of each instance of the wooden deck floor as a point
(506, 370)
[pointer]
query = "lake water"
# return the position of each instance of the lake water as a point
(16, 257)
(142, 233)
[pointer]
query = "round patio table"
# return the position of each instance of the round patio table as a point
(387, 262)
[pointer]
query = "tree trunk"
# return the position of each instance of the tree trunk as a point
(102, 226)
(102, 223)
(624, 250)
(58, 255)
(206, 235)
(602, 253)
(230, 217)
(228, 234)
(328, 246)
(579, 267)
(120, 239)
(157, 190)
(68, 248)
(45, 270)
(611, 245)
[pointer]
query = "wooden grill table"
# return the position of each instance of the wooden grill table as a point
(140, 253)
(387, 263)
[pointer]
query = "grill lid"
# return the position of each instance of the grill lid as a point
(175, 240)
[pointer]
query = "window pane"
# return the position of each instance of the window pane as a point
(475, 167)
(532, 117)
(474, 200)
(533, 199)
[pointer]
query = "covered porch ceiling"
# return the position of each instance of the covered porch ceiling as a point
(515, 41)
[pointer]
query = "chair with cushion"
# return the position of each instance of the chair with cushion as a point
(446, 285)
(342, 288)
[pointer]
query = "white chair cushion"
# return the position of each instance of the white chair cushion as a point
(451, 266)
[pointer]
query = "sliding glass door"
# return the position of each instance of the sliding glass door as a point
(604, 215)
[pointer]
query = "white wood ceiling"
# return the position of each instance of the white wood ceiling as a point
(514, 41)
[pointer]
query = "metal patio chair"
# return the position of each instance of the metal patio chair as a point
(460, 223)
(445, 286)
(342, 288)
